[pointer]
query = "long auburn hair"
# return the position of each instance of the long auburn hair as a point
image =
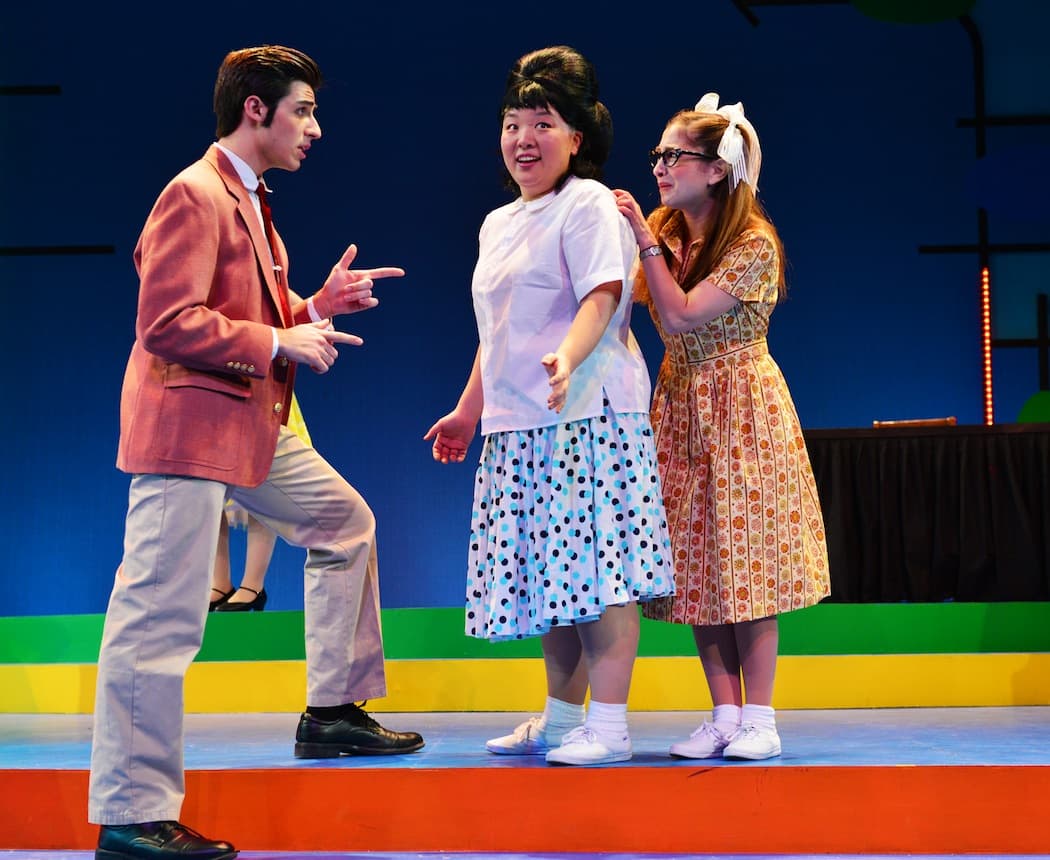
(735, 211)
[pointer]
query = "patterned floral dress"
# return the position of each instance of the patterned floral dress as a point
(747, 533)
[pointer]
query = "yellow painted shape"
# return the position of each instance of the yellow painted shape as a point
(48, 688)
(659, 684)
(861, 681)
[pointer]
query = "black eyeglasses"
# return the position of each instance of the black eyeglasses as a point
(670, 156)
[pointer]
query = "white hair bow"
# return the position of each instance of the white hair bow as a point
(744, 161)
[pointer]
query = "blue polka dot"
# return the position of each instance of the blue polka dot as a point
(544, 500)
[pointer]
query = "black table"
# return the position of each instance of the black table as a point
(929, 514)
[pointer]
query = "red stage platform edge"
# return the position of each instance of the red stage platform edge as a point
(753, 809)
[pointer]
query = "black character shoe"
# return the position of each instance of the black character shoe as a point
(221, 599)
(158, 840)
(256, 604)
(355, 733)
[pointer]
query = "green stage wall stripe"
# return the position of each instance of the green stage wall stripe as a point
(420, 634)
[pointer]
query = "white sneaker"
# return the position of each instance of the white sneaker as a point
(582, 746)
(706, 742)
(526, 739)
(753, 742)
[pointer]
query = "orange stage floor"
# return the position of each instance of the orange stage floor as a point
(916, 781)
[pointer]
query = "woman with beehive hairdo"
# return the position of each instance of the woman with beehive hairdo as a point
(568, 531)
(561, 78)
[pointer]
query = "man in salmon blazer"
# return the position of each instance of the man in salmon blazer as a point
(203, 409)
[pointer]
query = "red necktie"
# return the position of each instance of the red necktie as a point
(282, 290)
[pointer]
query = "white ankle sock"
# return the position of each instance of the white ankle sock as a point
(607, 721)
(558, 717)
(762, 716)
(726, 718)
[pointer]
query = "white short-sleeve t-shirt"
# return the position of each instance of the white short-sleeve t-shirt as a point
(537, 260)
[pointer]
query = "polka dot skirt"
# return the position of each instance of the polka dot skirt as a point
(568, 519)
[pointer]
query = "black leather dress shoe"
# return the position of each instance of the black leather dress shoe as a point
(158, 840)
(355, 733)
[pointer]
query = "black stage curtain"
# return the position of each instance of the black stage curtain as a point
(928, 514)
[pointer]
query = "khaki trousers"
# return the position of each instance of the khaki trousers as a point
(157, 610)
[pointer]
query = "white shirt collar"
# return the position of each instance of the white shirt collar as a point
(246, 174)
(539, 203)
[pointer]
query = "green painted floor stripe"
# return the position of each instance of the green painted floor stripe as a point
(419, 634)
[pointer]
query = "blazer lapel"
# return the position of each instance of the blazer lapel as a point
(246, 209)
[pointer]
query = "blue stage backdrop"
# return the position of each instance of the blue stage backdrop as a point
(864, 162)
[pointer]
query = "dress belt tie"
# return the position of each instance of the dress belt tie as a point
(741, 353)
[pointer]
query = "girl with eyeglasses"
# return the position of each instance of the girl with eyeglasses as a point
(568, 531)
(747, 532)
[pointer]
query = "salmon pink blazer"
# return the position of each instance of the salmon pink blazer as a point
(202, 396)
